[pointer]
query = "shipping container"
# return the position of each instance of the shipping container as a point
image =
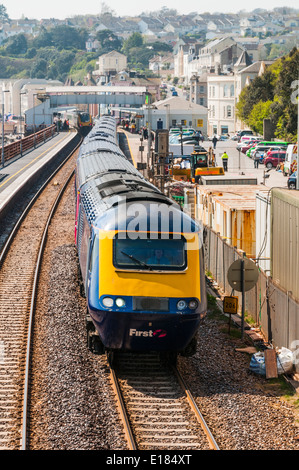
(230, 211)
(231, 179)
(285, 239)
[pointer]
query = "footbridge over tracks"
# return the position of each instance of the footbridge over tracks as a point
(107, 95)
(56, 98)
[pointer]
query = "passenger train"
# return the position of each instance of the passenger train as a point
(82, 121)
(140, 256)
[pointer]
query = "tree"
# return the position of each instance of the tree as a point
(67, 37)
(3, 14)
(270, 96)
(44, 39)
(39, 70)
(133, 41)
(16, 45)
(259, 112)
(109, 41)
(260, 89)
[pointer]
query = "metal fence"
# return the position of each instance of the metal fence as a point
(19, 147)
(273, 309)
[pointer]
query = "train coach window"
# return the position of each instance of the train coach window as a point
(146, 254)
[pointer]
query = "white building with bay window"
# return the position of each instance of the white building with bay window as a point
(221, 104)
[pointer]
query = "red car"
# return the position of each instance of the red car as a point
(248, 145)
(274, 157)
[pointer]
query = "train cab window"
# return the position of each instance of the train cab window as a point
(151, 255)
(85, 117)
(94, 253)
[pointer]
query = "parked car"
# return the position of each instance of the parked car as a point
(248, 145)
(274, 158)
(292, 180)
(262, 148)
(265, 146)
(245, 132)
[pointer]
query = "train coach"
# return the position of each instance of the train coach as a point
(140, 256)
(82, 121)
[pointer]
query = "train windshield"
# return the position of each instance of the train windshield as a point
(146, 254)
(85, 117)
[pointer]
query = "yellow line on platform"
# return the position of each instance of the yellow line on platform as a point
(28, 164)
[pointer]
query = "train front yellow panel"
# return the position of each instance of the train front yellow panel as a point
(115, 281)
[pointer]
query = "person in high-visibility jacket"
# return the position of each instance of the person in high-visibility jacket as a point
(224, 158)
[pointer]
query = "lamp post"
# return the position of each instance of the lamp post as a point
(2, 159)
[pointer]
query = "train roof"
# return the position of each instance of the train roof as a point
(112, 188)
(100, 145)
(108, 182)
(96, 163)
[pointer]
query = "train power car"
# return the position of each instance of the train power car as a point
(82, 121)
(140, 256)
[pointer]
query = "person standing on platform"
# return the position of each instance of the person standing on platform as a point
(214, 140)
(224, 158)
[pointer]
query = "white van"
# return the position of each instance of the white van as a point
(291, 157)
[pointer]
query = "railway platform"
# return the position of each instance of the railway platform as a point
(21, 171)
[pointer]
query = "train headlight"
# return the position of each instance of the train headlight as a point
(181, 305)
(108, 302)
(120, 302)
(193, 304)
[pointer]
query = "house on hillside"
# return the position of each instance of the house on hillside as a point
(110, 64)
(198, 90)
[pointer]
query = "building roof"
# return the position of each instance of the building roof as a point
(244, 60)
(180, 104)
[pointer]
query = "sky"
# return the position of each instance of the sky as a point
(60, 9)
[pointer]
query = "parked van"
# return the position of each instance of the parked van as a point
(290, 163)
(264, 147)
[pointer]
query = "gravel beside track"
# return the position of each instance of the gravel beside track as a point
(72, 404)
(242, 410)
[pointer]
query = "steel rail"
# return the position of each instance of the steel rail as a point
(123, 413)
(23, 441)
(212, 442)
(31, 314)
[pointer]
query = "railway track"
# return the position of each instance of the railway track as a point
(20, 261)
(157, 409)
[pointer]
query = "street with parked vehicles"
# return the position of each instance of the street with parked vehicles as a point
(272, 166)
